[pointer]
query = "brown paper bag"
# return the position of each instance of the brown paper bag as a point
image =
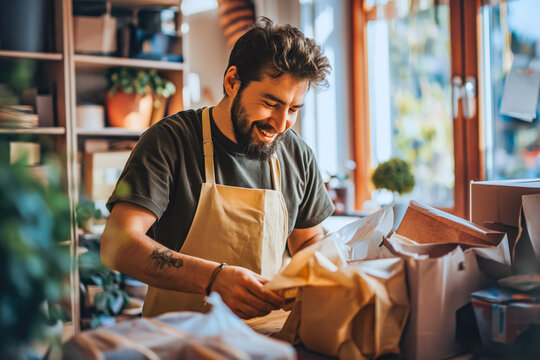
(348, 309)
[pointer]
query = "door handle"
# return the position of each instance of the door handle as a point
(469, 99)
(467, 94)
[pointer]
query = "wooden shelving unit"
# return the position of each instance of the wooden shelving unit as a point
(37, 131)
(144, 3)
(88, 84)
(65, 70)
(110, 132)
(31, 55)
(92, 61)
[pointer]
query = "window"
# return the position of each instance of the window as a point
(413, 61)
(410, 97)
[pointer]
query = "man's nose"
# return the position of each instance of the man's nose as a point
(282, 120)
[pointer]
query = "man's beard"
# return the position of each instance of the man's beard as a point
(243, 131)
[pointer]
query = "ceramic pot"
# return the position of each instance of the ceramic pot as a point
(129, 111)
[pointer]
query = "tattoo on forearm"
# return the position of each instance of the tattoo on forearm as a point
(164, 258)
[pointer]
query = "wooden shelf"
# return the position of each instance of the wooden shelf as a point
(31, 55)
(110, 131)
(37, 130)
(93, 61)
(143, 3)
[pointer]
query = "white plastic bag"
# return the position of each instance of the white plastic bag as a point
(179, 335)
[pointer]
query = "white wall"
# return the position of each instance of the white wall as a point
(208, 52)
(279, 11)
(208, 55)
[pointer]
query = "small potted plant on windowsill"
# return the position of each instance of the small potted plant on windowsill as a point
(394, 175)
(133, 94)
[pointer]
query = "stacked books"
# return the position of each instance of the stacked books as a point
(21, 116)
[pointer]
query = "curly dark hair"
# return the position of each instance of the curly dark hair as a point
(274, 50)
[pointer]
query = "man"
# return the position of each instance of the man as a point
(227, 185)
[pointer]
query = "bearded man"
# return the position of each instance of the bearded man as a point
(213, 199)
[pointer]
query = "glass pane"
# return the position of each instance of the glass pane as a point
(511, 37)
(410, 100)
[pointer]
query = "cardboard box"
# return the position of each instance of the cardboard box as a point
(511, 206)
(499, 202)
(95, 34)
(501, 316)
(101, 172)
(22, 150)
(447, 258)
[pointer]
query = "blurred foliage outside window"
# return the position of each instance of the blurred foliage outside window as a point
(414, 83)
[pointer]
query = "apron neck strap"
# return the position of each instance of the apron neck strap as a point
(208, 147)
(276, 172)
(208, 150)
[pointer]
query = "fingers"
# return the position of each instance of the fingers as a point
(247, 312)
(241, 290)
(267, 296)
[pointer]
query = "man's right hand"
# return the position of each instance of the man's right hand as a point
(241, 290)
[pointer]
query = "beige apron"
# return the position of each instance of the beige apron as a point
(237, 226)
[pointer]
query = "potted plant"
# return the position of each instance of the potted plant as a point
(394, 175)
(130, 96)
(102, 297)
(35, 219)
(89, 218)
(162, 90)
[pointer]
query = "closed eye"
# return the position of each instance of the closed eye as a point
(273, 106)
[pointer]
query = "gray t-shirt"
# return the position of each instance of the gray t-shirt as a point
(166, 169)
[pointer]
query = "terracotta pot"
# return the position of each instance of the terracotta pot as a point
(158, 110)
(129, 111)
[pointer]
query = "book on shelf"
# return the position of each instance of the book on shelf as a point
(18, 116)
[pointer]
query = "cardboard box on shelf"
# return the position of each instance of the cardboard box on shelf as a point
(95, 34)
(447, 258)
(101, 172)
(30, 152)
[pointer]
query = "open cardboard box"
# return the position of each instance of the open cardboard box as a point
(447, 258)
(512, 206)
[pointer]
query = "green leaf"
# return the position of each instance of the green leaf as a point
(116, 303)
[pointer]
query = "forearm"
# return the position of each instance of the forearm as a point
(142, 258)
(302, 238)
(307, 243)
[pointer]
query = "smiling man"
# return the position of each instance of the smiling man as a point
(211, 199)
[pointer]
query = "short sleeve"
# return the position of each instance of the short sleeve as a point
(148, 176)
(316, 204)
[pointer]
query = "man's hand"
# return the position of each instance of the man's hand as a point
(241, 290)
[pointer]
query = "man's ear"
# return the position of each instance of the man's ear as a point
(231, 82)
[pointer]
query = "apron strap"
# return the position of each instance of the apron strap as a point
(208, 147)
(276, 172)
